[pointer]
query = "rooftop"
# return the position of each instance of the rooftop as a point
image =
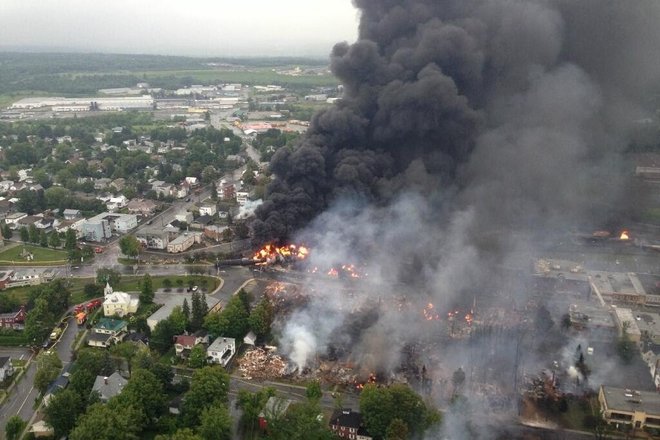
(346, 417)
(631, 400)
(109, 386)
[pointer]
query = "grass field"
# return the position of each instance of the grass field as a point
(126, 284)
(41, 255)
(206, 76)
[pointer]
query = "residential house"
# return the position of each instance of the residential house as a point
(221, 351)
(118, 303)
(13, 320)
(209, 209)
(162, 189)
(28, 221)
(184, 343)
(45, 223)
(183, 242)
(106, 332)
(175, 406)
(635, 409)
(346, 423)
(6, 368)
(5, 185)
(201, 222)
(41, 429)
(153, 238)
(6, 208)
(13, 218)
(184, 216)
(116, 203)
(144, 207)
(102, 183)
(71, 214)
(275, 408)
(108, 387)
(214, 232)
(181, 191)
(192, 181)
(242, 197)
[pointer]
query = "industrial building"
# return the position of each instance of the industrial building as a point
(101, 227)
(639, 409)
(176, 300)
(184, 242)
(85, 104)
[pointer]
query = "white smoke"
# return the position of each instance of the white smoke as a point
(247, 210)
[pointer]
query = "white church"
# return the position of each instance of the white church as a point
(118, 303)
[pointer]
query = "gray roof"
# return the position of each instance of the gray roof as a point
(176, 299)
(220, 344)
(4, 360)
(115, 383)
(631, 400)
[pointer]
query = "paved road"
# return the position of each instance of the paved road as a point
(23, 396)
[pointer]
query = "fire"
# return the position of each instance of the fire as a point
(372, 379)
(429, 313)
(348, 270)
(271, 253)
(624, 235)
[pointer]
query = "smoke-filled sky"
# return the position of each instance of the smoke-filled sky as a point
(468, 133)
(169, 27)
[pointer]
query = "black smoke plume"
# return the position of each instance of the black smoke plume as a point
(468, 132)
(429, 82)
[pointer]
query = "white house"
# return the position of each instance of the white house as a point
(118, 303)
(116, 203)
(221, 351)
(242, 197)
(208, 209)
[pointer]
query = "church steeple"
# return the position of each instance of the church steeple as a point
(107, 290)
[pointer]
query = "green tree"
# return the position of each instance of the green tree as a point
(144, 392)
(185, 308)
(43, 239)
(261, 318)
(231, 322)
(33, 233)
(93, 290)
(6, 231)
(398, 430)
(147, 292)
(63, 410)
(39, 322)
(215, 423)
(167, 283)
(197, 358)
(107, 422)
(48, 368)
(105, 275)
(314, 391)
(54, 240)
(380, 405)
(25, 234)
(197, 315)
(209, 387)
(126, 351)
(129, 246)
(70, 240)
(302, 421)
(14, 428)
(181, 434)
(251, 404)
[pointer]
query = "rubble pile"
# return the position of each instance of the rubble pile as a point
(284, 296)
(262, 363)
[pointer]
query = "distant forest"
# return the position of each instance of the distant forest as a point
(79, 73)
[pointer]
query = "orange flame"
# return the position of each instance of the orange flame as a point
(270, 253)
(429, 313)
(624, 235)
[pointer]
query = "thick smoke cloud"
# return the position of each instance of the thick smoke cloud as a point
(467, 131)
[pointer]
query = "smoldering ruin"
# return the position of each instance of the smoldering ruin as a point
(470, 135)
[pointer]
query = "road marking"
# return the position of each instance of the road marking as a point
(21, 358)
(25, 400)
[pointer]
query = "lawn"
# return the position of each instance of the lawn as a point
(41, 255)
(126, 284)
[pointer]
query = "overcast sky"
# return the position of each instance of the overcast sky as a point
(176, 27)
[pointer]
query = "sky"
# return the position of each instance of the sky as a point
(175, 27)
